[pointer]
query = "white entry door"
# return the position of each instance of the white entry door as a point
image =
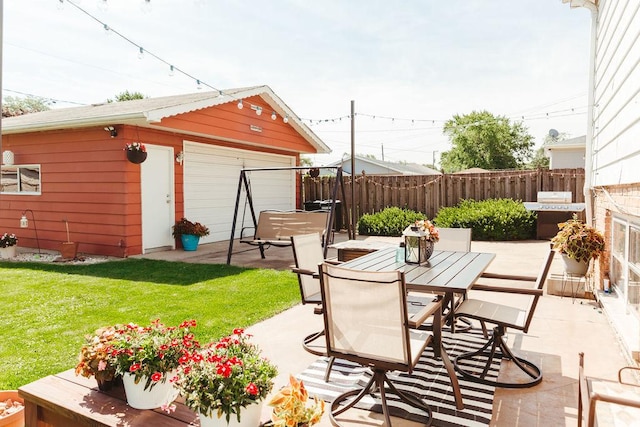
(158, 204)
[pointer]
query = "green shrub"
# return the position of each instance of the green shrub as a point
(491, 219)
(388, 222)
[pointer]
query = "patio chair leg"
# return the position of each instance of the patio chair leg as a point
(306, 344)
(377, 384)
(497, 342)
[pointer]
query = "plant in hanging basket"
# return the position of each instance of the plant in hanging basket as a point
(184, 226)
(151, 352)
(578, 240)
(135, 146)
(136, 152)
(224, 377)
(8, 240)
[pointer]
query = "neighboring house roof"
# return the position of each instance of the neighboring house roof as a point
(392, 168)
(149, 112)
(578, 142)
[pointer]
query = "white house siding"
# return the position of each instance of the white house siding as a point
(567, 158)
(615, 171)
(616, 134)
(211, 176)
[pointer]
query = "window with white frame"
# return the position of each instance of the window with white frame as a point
(20, 179)
(625, 260)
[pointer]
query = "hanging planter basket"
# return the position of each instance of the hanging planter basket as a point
(135, 156)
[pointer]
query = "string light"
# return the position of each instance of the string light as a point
(102, 4)
(198, 85)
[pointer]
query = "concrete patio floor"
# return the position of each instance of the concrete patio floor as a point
(561, 328)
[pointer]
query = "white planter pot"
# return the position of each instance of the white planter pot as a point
(8, 252)
(574, 267)
(249, 417)
(161, 393)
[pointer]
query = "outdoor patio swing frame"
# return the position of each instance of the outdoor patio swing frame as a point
(243, 182)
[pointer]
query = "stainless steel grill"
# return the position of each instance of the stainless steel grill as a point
(552, 207)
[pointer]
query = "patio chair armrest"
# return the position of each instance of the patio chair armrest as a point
(428, 310)
(305, 272)
(510, 290)
(630, 368)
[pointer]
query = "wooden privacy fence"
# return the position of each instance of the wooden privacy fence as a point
(429, 193)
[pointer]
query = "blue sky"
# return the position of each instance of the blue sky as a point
(412, 64)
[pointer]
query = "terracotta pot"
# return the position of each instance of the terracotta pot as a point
(16, 419)
(69, 250)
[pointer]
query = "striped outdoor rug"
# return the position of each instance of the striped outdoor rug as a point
(429, 380)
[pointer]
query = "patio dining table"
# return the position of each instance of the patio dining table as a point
(446, 272)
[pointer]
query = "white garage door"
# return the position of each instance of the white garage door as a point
(211, 177)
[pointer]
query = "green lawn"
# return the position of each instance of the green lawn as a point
(47, 309)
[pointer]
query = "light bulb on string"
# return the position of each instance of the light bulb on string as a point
(273, 115)
(286, 119)
(106, 29)
(171, 71)
(141, 53)
(146, 6)
(258, 111)
(199, 85)
(240, 105)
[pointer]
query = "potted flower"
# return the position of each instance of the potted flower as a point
(225, 382)
(189, 233)
(419, 240)
(147, 358)
(136, 152)
(578, 243)
(95, 360)
(291, 406)
(8, 244)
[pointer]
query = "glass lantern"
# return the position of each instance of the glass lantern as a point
(418, 248)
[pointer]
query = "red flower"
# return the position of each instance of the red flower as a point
(197, 357)
(134, 367)
(164, 347)
(183, 359)
(238, 331)
(157, 376)
(252, 389)
(224, 370)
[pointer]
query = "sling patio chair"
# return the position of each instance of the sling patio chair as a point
(606, 402)
(502, 316)
(308, 255)
(366, 321)
(459, 240)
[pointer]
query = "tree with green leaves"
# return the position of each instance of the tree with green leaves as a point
(16, 106)
(482, 140)
(539, 160)
(127, 96)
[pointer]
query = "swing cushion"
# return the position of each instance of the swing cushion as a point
(277, 227)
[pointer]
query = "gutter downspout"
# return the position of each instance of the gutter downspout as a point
(588, 167)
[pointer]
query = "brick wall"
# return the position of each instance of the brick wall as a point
(622, 199)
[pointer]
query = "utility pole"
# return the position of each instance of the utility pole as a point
(353, 171)
(382, 148)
